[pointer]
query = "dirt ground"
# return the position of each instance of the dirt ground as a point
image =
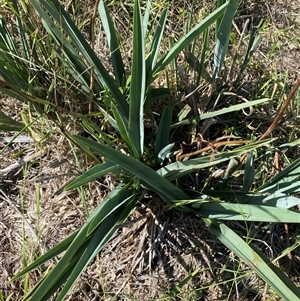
(158, 248)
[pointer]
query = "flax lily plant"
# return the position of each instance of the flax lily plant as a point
(124, 99)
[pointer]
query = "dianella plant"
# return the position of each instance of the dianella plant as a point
(142, 160)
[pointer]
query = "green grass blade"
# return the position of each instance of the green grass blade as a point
(122, 127)
(79, 70)
(58, 271)
(13, 69)
(62, 246)
(56, 286)
(155, 45)
(220, 112)
(121, 198)
(100, 237)
(179, 287)
(22, 33)
(9, 124)
(249, 173)
(193, 61)
(164, 153)
(137, 85)
(288, 187)
(92, 174)
(245, 212)
(256, 260)
(102, 76)
(275, 198)
(197, 65)
(280, 200)
(223, 35)
(254, 41)
(146, 17)
(289, 174)
(163, 133)
(188, 38)
(55, 251)
(113, 44)
(163, 187)
(218, 22)
(177, 170)
(106, 216)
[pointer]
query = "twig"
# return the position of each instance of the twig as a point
(24, 161)
(280, 113)
(278, 117)
(212, 145)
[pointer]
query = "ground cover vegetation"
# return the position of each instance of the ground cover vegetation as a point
(170, 145)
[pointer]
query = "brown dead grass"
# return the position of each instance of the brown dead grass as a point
(159, 247)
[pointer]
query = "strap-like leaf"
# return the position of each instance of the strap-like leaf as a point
(92, 174)
(256, 260)
(155, 46)
(9, 124)
(163, 133)
(137, 85)
(245, 212)
(223, 35)
(188, 38)
(249, 173)
(177, 170)
(163, 187)
(102, 76)
(220, 112)
(113, 44)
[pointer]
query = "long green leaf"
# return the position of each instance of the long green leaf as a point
(76, 66)
(288, 175)
(249, 173)
(220, 112)
(254, 41)
(164, 188)
(155, 45)
(163, 133)
(256, 260)
(62, 246)
(12, 68)
(60, 281)
(283, 187)
(188, 38)
(137, 85)
(146, 17)
(55, 251)
(9, 124)
(88, 241)
(193, 61)
(122, 127)
(223, 35)
(100, 237)
(274, 198)
(92, 174)
(102, 76)
(244, 212)
(177, 170)
(113, 44)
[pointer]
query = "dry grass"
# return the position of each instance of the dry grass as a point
(158, 248)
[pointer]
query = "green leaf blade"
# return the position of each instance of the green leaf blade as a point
(92, 174)
(256, 260)
(113, 43)
(137, 85)
(223, 35)
(162, 186)
(188, 38)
